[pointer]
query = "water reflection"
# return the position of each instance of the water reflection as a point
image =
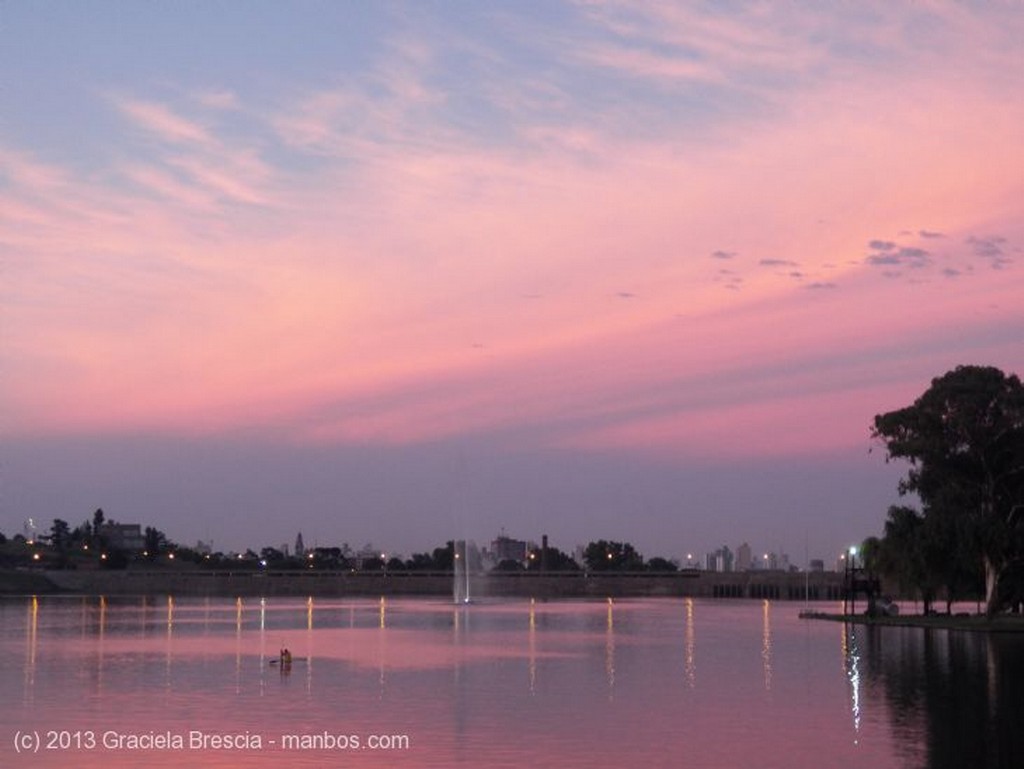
(170, 642)
(963, 691)
(382, 651)
(691, 646)
(238, 644)
(851, 665)
(551, 683)
(31, 642)
(532, 640)
(609, 649)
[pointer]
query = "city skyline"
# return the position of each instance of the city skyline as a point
(641, 272)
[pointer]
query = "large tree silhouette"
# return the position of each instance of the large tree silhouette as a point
(964, 440)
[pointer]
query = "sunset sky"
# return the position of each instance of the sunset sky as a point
(403, 272)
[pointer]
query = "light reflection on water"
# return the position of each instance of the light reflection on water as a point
(502, 684)
(851, 663)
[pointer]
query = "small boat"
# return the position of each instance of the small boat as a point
(277, 661)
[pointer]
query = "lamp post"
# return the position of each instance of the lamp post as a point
(852, 564)
(846, 582)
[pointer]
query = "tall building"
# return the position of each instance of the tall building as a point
(720, 560)
(743, 557)
(300, 547)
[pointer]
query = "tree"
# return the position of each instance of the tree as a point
(900, 555)
(964, 440)
(60, 535)
(97, 528)
(661, 564)
(420, 562)
(612, 556)
(553, 560)
(509, 564)
(156, 540)
(444, 557)
(271, 555)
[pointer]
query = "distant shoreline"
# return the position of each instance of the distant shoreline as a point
(781, 586)
(975, 623)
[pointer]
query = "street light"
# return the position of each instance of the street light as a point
(851, 579)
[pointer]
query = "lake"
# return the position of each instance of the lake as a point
(140, 682)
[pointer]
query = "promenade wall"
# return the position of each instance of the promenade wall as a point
(774, 585)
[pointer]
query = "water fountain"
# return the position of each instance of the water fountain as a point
(460, 588)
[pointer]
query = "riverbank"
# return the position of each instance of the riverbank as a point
(976, 623)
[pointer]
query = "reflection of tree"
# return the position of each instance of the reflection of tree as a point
(958, 695)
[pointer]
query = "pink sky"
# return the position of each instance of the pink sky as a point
(728, 235)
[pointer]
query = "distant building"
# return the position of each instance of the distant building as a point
(123, 536)
(368, 557)
(720, 560)
(507, 549)
(743, 557)
(816, 565)
(300, 547)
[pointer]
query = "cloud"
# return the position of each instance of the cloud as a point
(723, 254)
(221, 99)
(822, 286)
(162, 121)
(888, 254)
(930, 234)
(883, 259)
(778, 263)
(991, 248)
(730, 279)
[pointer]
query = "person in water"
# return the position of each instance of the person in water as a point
(286, 656)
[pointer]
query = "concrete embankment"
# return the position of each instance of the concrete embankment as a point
(25, 582)
(764, 585)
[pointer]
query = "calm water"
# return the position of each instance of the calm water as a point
(421, 683)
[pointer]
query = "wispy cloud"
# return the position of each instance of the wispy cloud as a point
(163, 122)
(370, 227)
